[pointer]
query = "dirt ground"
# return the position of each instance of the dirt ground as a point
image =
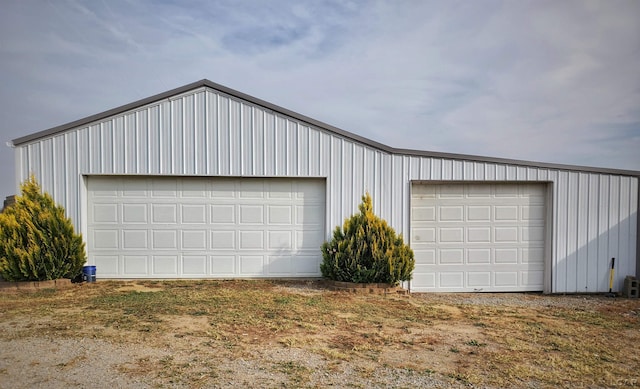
(282, 334)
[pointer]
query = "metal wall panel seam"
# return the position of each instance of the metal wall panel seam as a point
(184, 147)
(125, 145)
(572, 229)
(254, 140)
(264, 144)
(592, 241)
(623, 222)
(582, 232)
(563, 212)
(204, 130)
(614, 199)
(239, 148)
(161, 139)
(218, 134)
(603, 242)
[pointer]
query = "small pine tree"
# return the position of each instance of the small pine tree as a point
(37, 240)
(366, 250)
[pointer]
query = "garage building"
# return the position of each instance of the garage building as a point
(206, 182)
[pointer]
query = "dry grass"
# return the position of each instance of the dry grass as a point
(205, 323)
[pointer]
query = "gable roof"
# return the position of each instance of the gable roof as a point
(310, 121)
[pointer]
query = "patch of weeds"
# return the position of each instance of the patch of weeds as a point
(460, 377)
(313, 302)
(296, 372)
(44, 293)
(454, 350)
(479, 324)
(283, 300)
(475, 343)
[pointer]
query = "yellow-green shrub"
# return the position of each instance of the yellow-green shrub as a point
(366, 250)
(37, 240)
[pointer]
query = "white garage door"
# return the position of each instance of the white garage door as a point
(205, 227)
(478, 237)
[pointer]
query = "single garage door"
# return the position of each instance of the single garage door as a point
(478, 237)
(161, 227)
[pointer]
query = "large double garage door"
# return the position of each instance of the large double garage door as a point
(164, 227)
(478, 237)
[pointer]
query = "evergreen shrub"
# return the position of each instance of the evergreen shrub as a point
(366, 250)
(37, 240)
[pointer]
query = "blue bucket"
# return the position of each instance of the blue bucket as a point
(89, 273)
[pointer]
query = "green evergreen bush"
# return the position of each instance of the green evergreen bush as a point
(37, 240)
(366, 250)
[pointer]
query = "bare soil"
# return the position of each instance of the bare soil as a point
(297, 334)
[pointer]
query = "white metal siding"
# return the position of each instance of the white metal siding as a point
(206, 132)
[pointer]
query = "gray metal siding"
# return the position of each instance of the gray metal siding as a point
(206, 132)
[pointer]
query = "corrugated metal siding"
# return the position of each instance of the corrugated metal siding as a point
(208, 133)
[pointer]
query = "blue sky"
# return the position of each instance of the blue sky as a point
(549, 81)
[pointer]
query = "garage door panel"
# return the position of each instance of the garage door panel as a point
(195, 189)
(194, 265)
(251, 240)
(223, 265)
(532, 278)
(105, 239)
(252, 190)
(479, 256)
(280, 189)
(164, 187)
(479, 279)
(479, 234)
(280, 240)
(305, 265)
(224, 189)
(205, 227)
(449, 234)
(280, 265)
(134, 213)
(451, 256)
(251, 214)
(252, 265)
(223, 239)
(223, 214)
(108, 263)
(164, 265)
(479, 213)
(194, 240)
(310, 215)
(506, 279)
(309, 240)
(451, 213)
(105, 213)
(164, 213)
(134, 265)
(486, 237)
(134, 187)
(453, 280)
(135, 239)
(193, 213)
(164, 239)
(532, 234)
(533, 255)
(280, 214)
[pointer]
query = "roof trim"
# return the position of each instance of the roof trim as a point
(311, 121)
